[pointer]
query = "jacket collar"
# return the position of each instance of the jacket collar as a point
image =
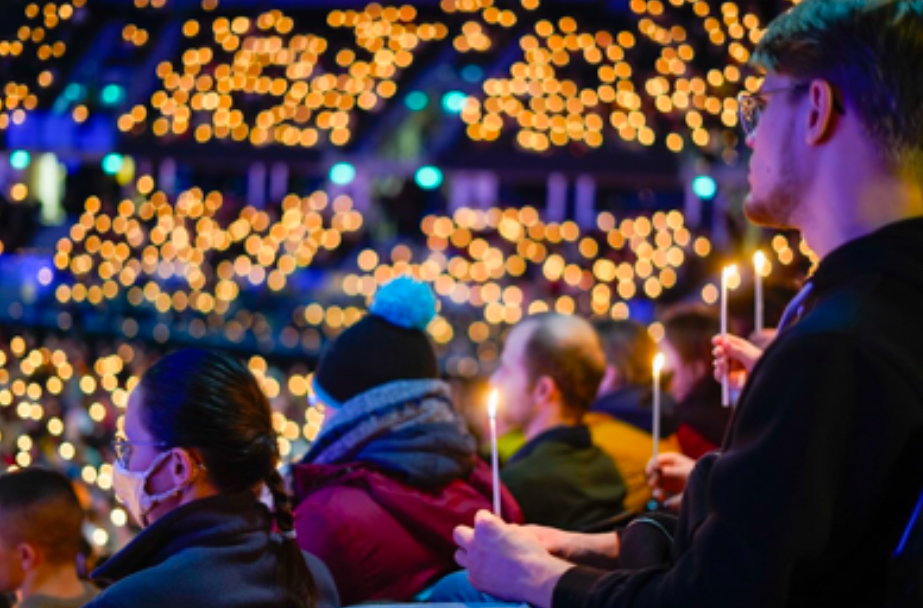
(895, 249)
(213, 520)
(577, 437)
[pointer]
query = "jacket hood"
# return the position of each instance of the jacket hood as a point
(427, 456)
(634, 404)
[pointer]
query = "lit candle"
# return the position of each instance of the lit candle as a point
(726, 275)
(658, 367)
(759, 266)
(494, 456)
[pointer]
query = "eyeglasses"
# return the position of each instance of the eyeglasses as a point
(122, 448)
(750, 106)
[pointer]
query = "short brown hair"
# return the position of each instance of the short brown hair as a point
(689, 330)
(629, 349)
(576, 363)
(869, 50)
(40, 507)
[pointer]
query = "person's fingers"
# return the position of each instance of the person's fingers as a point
(461, 558)
(486, 519)
(463, 535)
(743, 351)
(673, 470)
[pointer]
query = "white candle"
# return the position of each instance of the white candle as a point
(726, 275)
(494, 456)
(759, 266)
(658, 367)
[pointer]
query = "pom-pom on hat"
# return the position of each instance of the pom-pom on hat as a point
(388, 344)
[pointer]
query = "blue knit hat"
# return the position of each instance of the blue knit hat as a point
(388, 344)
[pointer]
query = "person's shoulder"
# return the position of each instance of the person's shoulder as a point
(543, 460)
(328, 596)
(336, 515)
(43, 601)
(140, 590)
(158, 584)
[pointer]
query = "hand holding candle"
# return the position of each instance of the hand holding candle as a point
(726, 275)
(494, 457)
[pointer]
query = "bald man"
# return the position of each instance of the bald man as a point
(549, 374)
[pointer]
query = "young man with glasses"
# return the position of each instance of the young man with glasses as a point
(824, 461)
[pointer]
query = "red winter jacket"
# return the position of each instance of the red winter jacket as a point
(382, 538)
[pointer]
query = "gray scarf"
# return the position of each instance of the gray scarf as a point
(407, 427)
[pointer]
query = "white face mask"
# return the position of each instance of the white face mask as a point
(129, 487)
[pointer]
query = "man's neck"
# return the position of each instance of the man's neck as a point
(57, 581)
(546, 418)
(849, 208)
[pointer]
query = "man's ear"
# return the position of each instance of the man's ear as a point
(544, 388)
(822, 117)
(28, 555)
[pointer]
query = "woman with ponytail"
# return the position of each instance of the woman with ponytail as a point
(196, 467)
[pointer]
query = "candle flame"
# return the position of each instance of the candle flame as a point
(492, 403)
(759, 262)
(729, 271)
(659, 361)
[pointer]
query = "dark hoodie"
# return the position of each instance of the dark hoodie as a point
(824, 458)
(216, 552)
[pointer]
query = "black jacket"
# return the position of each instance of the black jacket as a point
(561, 479)
(216, 552)
(823, 460)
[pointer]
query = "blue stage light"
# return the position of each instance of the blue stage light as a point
(416, 101)
(112, 95)
(112, 163)
(75, 92)
(472, 73)
(428, 177)
(20, 159)
(454, 101)
(705, 187)
(342, 174)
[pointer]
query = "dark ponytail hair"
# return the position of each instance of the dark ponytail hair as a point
(211, 402)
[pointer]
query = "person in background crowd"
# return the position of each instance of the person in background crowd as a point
(703, 421)
(40, 540)
(198, 452)
(621, 419)
(394, 468)
(549, 374)
(823, 465)
(687, 333)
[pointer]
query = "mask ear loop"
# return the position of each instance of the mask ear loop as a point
(149, 502)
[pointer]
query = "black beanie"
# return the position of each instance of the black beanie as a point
(388, 344)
